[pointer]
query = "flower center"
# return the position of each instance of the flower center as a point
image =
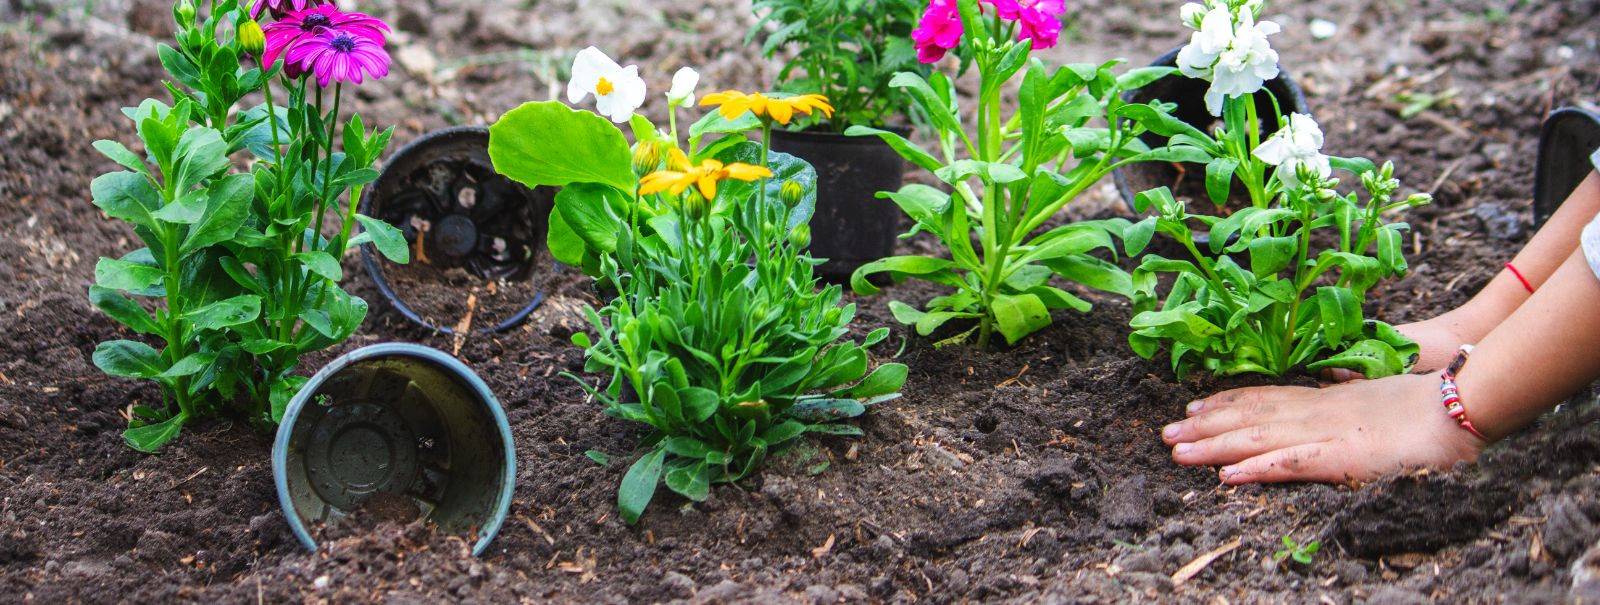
(313, 21)
(342, 43)
(604, 87)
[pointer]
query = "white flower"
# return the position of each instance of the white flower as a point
(1231, 50)
(1192, 13)
(683, 84)
(1297, 144)
(617, 90)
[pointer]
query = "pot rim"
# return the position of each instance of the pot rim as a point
(815, 135)
(455, 367)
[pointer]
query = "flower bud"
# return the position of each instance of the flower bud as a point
(646, 157)
(695, 206)
(251, 39)
(791, 193)
(800, 237)
(1419, 199)
(184, 14)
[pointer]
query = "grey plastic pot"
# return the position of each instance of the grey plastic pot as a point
(400, 419)
(1189, 94)
(851, 226)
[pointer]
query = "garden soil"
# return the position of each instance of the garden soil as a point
(1027, 474)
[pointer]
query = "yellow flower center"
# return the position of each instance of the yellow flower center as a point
(604, 87)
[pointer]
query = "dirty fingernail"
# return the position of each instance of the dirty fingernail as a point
(1182, 448)
(1171, 431)
(1194, 406)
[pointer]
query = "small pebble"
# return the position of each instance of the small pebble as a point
(1322, 29)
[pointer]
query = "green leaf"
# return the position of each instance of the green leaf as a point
(564, 244)
(122, 309)
(186, 210)
(1340, 314)
(698, 404)
(122, 274)
(784, 167)
(201, 154)
(548, 143)
(1269, 255)
(128, 359)
(227, 206)
(639, 485)
(886, 379)
(1138, 235)
(281, 392)
(149, 438)
(825, 410)
(908, 150)
(120, 154)
(783, 432)
(1019, 315)
(1138, 78)
(191, 365)
(320, 263)
(936, 270)
(126, 196)
(843, 430)
(1219, 179)
(1372, 358)
(593, 213)
(386, 238)
(693, 481)
(223, 313)
(598, 457)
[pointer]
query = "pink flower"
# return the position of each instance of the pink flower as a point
(288, 32)
(1037, 18)
(939, 31)
(1039, 21)
(337, 56)
(281, 7)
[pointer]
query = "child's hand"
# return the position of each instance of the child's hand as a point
(1350, 432)
(1437, 337)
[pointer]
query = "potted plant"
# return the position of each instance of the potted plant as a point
(1006, 176)
(241, 275)
(849, 51)
(1306, 253)
(716, 320)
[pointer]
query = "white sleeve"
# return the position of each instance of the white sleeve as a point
(1591, 233)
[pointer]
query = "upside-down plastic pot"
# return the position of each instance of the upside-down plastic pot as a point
(1569, 136)
(851, 227)
(442, 192)
(402, 421)
(1190, 96)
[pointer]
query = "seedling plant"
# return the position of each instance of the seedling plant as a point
(1312, 252)
(717, 335)
(1005, 177)
(242, 278)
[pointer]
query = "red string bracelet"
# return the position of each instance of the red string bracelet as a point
(1520, 278)
(1451, 397)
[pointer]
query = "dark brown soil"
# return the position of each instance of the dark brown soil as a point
(1026, 475)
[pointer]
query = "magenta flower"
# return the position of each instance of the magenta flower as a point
(290, 31)
(279, 8)
(1039, 21)
(336, 56)
(939, 31)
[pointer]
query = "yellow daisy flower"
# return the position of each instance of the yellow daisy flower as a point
(732, 104)
(704, 177)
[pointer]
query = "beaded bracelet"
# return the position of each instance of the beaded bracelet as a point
(1451, 397)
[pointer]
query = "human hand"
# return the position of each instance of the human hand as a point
(1355, 431)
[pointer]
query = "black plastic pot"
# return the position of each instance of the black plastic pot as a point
(851, 227)
(443, 190)
(401, 431)
(1190, 96)
(1569, 136)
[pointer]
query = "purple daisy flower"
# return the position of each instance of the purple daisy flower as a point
(288, 32)
(337, 56)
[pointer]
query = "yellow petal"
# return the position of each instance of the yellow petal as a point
(780, 111)
(676, 160)
(708, 186)
(657, 182)
(746, 172)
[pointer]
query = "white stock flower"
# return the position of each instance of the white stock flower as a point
(1231, 50)
(683, 83)
(617, 90)
(1298, 144)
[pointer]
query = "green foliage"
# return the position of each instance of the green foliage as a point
(1289, 304)
(1071, 128)
(847, 50)
(718, 336)
(244, 282)
(1301, 553)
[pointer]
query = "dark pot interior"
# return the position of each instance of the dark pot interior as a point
(442, 189)
(851, 226)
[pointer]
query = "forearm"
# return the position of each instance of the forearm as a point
(1542, 353)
